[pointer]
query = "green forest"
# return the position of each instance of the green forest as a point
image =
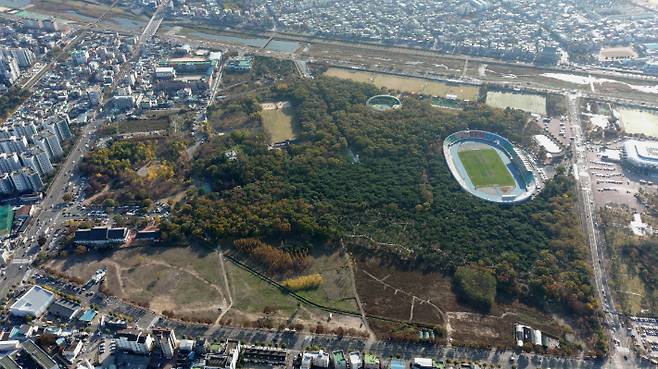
(10, 100)
(378, 181)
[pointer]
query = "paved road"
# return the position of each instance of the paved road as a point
(621, 343)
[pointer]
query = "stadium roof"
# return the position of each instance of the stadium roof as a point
(33, 302)
(641, 153)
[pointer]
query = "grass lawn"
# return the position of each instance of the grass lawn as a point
(253, 295)
(336, 290)
(278, 124)
(486, 168)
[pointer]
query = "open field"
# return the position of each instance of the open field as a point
(388, 291)
(485, 168)
(185, 280)
(407, 84)
(336, 291)
(636, 121)
(277, 121)
(6, 219)
(252, 296)
(631, 291)
(526, 102)
(256, 302)
(142, 125)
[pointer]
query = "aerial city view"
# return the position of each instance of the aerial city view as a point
(328, 184)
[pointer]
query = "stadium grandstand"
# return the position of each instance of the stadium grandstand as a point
(497, 171)
(642, 155)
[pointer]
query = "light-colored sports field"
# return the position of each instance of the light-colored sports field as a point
(526, 102)
(407, 84)
(485, 168)
(638, 121)
(277, 122)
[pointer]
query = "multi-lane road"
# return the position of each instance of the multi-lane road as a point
(620, 342)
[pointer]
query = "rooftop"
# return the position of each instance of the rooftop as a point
(35, 299)
(549, 145)
(38, 355)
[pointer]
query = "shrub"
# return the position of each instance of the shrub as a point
(303, 283)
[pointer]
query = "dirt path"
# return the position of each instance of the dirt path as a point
(372, 338)
(228, 290)
(117, 272)
(192, 273)
(93, 197)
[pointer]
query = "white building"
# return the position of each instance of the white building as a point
(165, 72)
(33, 303)
(135, 341)
(72, 351)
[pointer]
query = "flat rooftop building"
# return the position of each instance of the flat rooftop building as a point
(101, 236)
(38, 356)
(33, 303)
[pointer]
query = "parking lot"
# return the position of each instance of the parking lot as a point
(645, 331)
(614, 184)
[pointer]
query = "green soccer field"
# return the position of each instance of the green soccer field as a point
(6, 219)
(486, 168)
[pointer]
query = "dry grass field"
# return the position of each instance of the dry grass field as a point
(427, 298)
(185, 280)
(277, 121)
(407, 84)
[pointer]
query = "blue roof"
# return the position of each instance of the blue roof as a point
(88, 316)
(397, 364)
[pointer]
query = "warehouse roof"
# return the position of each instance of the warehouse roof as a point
(34, 300)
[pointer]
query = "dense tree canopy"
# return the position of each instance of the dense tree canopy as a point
(475, 286)
(10, 100)
(378, 180)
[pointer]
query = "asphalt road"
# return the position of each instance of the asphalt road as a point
(620, 342)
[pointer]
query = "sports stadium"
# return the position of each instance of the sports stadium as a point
(642, 155)
(384, 102)
(488, 166)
